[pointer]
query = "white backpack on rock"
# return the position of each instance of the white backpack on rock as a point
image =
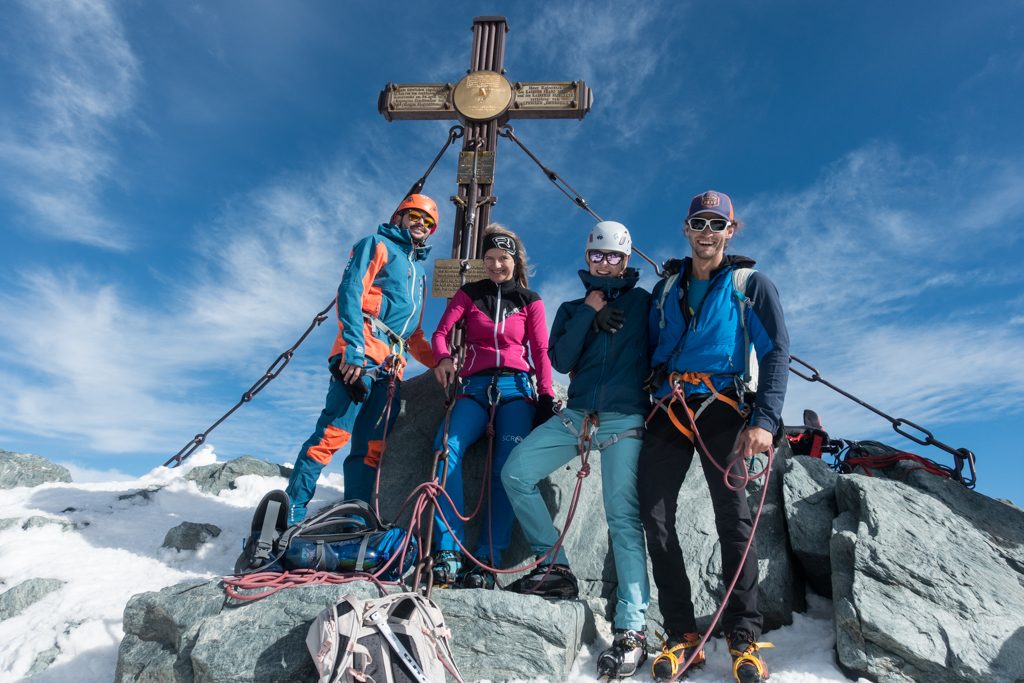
(399, 638)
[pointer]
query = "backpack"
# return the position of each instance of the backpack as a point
(740, 277)
(399, 638)
(344, 537)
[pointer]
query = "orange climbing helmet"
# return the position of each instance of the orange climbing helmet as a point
(421, 202)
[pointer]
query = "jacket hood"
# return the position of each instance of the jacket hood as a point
(611, 286)
(404, 240)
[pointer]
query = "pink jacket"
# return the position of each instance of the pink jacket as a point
(501, 320)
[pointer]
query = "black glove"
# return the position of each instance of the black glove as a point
(356, 390)
(655, 378)
(609, 319)
(671, 267)
(545, 410)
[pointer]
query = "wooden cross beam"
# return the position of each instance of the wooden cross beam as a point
(483, 101)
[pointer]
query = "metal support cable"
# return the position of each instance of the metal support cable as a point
(271, 373)
(568, 190)
(960, 455)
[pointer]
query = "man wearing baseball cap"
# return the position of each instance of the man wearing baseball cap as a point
(707, 317)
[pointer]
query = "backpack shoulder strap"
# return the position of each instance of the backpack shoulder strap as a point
(740, 278)
(670, 281)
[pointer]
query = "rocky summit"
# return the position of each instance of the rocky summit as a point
(926, 578)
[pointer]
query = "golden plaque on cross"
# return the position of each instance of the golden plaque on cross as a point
(482, 95)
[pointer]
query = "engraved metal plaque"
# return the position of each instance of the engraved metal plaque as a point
(484, 167)
(551, 100)
(482, 95)
(447, 276)
(416, 101)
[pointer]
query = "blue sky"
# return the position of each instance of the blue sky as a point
(180, 184)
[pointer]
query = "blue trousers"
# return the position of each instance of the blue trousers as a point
(340, 423)
(470, 415)
(549, 447)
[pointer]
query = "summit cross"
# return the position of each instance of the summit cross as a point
(483, 101)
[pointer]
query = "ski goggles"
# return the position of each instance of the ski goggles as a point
(613, 258)
(698, 224)
(426, 219)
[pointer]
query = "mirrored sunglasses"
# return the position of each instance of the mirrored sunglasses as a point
(697, 224)
(420, 216)
(613, 258)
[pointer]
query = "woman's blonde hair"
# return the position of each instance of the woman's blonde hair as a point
(522, 268)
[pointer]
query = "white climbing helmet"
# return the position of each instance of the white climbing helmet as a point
(610, 236)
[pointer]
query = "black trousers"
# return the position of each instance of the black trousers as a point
(664, 460)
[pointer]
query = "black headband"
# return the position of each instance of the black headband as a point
(503, 242)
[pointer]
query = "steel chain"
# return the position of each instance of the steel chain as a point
(960, 455)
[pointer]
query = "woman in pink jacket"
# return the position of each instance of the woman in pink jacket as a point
(502, 320)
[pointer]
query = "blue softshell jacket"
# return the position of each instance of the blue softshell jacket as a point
(607, 370)
(712, 339)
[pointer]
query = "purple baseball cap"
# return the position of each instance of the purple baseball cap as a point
(712, 202)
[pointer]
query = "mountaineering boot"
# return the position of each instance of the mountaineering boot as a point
(747, 665)
(677, 648)
(548, 581)
(627, 654)
(475, 577)
(447, 564)
(301, 487)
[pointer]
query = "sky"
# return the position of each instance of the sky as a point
(81, 622)
(180, 185)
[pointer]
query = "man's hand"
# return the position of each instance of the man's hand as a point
(350, 374)
(595, 299)
(655, 378)
(753, 440)
(445, 372)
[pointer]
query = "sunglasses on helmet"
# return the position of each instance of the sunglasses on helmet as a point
(415, 215)
(698, 224)
(613, 258)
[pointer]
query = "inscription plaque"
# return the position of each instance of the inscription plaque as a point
(447, 277)
(545, 95)
(430, 97)
(484, 167)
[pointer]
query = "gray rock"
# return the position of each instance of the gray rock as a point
(809, 496)
(38, 521)
(188, 633)
(221, 476)
(9, 522)
(17, 599)
(928, 582)
(142, 495)
(43, 660)
(19, 469)
(190, 535)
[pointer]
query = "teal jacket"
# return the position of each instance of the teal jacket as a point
(606, 371)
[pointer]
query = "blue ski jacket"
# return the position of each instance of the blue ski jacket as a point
(712, 340)
(607, 370)
(384, 280)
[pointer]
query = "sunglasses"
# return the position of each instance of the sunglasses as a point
(419, 216)
(698, 224)
(613, 258)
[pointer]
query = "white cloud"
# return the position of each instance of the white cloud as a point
(890, 273)
(84, 77)
(123, 375)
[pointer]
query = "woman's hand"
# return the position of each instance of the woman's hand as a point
(595, 299)
(445, 372)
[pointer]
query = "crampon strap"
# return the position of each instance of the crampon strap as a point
(749, 656)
